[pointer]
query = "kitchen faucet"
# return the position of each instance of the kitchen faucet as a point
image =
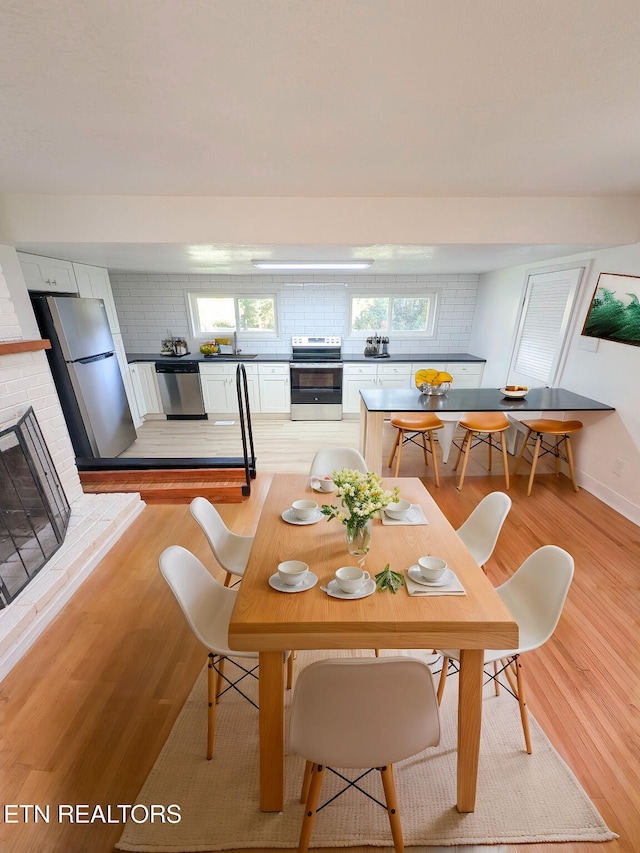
(236, 351)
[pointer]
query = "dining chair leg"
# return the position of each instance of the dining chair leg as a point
(443, 679)
(391, 799)
(220, 678)
(290, 660)
(212, 683)
(524, 714)
(534, 462)
(227, 580)
(306, 781)
(505, 459)
(496, 683)
(310, 808)
(377, 652)
(434, 458)
(395, 447)
(570, 461)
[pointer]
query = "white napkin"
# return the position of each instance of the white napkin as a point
(452, 587)
(414, 516)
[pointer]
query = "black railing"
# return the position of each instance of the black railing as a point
(244, 411)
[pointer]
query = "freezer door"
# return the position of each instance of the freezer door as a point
(103, 404)
(81, 325)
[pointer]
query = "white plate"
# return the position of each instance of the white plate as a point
(368, 588)
(315, 485)
(416, 575)
(309, 581)
(291, 518)
(513, 395)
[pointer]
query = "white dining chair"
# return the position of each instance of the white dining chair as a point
(361, 713)
(534, 595)
(481, 529)
(207, 606)
(231, 550)
(330, 459)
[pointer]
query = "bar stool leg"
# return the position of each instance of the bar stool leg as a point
(467, 437)
(522, 450)
(399, 454)
(433, 456)
(570, 461)
(395, 446)
(465, 460)
(504, 457)
(534, 462)
(424, 449)
(490, 441)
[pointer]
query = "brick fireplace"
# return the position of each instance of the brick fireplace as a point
(96, 521)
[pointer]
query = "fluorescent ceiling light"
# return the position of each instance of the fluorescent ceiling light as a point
(312, 265)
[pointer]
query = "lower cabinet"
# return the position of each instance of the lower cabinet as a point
(356, 377)
(145, 388)
(275, 388)
(219, 388)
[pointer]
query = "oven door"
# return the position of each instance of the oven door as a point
(316, 390)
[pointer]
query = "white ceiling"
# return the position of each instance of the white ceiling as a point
(319, 99)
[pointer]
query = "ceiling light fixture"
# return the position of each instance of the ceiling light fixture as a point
(312, 265)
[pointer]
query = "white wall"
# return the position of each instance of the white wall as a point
(609, 374)
(148, 305)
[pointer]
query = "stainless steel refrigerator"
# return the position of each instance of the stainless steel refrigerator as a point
(86, 374)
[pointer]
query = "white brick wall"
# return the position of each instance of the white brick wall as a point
(150, 304)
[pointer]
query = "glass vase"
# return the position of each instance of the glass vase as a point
(359, 540)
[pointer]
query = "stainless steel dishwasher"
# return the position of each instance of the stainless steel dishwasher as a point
(180, 390)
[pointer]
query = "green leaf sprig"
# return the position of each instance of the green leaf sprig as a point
(386, 579)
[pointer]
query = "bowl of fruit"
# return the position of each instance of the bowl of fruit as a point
(209, 349)
(514, 392)
(433, 382)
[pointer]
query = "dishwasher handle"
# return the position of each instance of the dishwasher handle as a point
(182, 367)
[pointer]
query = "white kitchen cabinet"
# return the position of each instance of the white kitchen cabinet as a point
(220, 390)
(394, 375)
(145, 388)
(354, 378)
(47, 274)
(126, 379)
(94, 282)
(275, 393)
(466, 374)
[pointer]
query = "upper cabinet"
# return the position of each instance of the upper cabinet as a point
(48, 274)
(94, 281)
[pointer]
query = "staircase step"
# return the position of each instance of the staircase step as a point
(171, 485)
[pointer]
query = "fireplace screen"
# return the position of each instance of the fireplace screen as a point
(34, 511)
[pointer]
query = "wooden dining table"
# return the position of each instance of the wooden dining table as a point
(270, 622)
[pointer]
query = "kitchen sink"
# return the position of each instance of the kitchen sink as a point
(241, 357)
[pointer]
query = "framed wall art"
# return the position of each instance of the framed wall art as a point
(614, 313)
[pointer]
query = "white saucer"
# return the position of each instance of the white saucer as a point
(368, 588)
(416, 575)
(309, 581)
(291, 518)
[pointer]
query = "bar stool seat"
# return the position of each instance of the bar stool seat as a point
(410, 425)
(480, 428)
(561, 447)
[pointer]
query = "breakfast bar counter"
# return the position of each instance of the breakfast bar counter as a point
(375, 403)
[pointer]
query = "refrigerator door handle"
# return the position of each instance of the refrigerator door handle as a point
(91, 358)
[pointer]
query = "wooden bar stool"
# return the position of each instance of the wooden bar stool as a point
(561, 447)
(480, 428)
(409, 426)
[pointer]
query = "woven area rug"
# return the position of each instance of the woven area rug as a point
(521, 798)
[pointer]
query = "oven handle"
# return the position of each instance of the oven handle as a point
(307, 365)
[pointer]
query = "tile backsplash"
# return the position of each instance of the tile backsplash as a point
(151, 305)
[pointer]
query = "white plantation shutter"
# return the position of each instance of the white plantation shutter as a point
(544, 321)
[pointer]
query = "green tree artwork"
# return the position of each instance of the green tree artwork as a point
(614, 314)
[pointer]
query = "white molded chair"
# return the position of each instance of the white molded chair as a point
(230, 549)
(330, 459)
(361, 713)
(207, 607)
(535, 596)
(481, 529)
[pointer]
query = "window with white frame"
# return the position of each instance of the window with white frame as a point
(406, 314)
(221, 314)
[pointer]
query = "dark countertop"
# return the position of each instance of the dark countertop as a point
(478, 400)
(271, 357)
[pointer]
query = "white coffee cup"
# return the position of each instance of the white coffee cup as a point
(326, 484)
(303, 510)
(351, 578)
(292, 572)
(432, 568)
(398, 509)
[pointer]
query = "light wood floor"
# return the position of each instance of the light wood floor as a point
(86, 712)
